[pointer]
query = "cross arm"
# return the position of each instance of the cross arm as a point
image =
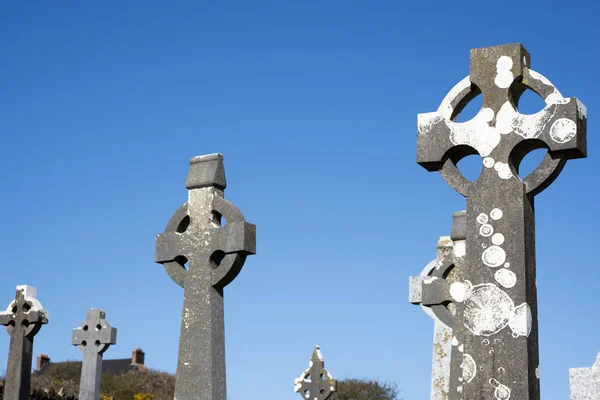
(428, 290)
(170, 245)
(6, 317)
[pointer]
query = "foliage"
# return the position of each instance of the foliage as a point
(143, 396)
(64, 378)
(360, 389)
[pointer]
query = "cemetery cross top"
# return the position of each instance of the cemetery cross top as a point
(495, 339)
(315, 383)
(93, 338)
(23, 319)
(214, 255)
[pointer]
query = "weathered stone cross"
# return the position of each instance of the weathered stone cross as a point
(93, 338)
(315, 383)
(23, 319)
(215, 255)
(431, 290)
(495, 328)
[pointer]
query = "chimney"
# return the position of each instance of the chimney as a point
(137, 357)
(42, 361)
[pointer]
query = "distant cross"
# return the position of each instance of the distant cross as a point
(315, 383)
(23, 319)
(214, 255)
(496, 314)
(431, 290)
(93, 338)
(585, 382)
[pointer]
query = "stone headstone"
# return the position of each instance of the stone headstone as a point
(93, 338)
(315, 383)
(214, 255)
(496, 356)
(23, 319)
(431, 290)
(585, 382)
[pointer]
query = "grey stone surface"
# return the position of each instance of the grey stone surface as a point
(214, 255)
(93, 338)
(585, 382)
(495, 330)
(23, 319)
(444, 270)
(315, 383)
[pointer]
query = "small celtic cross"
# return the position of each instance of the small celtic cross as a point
(93, 338)
(315, 383)
(23, 319)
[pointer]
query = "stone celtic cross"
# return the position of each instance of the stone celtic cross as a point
(495, 332)
(315, 383)
(214, 255)
(431, 290)
(93, 338)
(23, 319)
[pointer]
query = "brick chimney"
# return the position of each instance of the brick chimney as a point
(137, 357)
(42, 361)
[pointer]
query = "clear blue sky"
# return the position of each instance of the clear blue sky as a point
(314, 105)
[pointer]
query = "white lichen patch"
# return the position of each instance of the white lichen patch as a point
(504, 76)
(503, 170)
(521, 321)
(476, 133)
(460, 248)
(488, 162)
(486, 230)
(563, 130)
(537, 372)
(528, 126)
(488, 309)
(501, 392)
(482, 218)
(493, 256)
(496, 214)
(458, 291)
(498, 239)
(581, 110)
(506, 278)
(469, 368)
(454, 341)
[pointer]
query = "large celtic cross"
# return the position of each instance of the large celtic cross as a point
(93, 338)
(214, 255)
(495, 332)
(23, 319)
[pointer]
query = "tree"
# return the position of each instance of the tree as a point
(360, 389)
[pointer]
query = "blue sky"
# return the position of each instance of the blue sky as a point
(314, 106)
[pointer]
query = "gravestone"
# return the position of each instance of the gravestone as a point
(93, 338)
(23, 319)
(495, 330)
(315, 383)
(585, 382)
(431, 290)
(214, 255)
